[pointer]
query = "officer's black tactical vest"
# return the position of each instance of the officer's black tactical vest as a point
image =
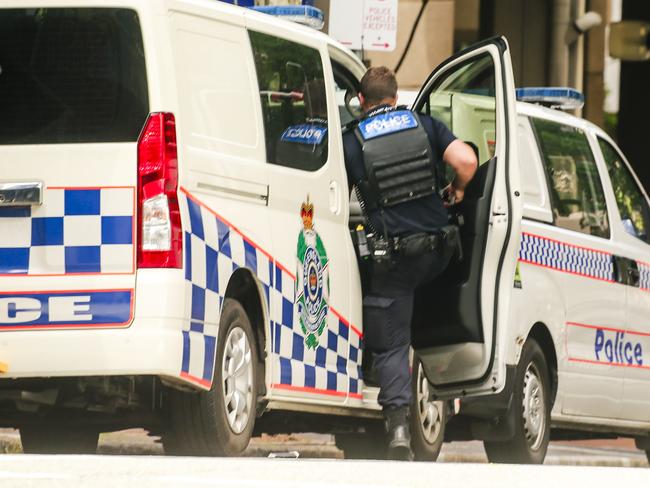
(398, 159)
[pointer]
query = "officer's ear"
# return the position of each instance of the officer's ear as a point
(362, 99)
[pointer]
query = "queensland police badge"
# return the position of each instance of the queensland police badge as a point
(312, 279)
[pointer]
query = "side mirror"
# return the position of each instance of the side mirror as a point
(630, 40)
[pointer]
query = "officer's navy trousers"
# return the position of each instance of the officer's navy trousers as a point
(387, 313)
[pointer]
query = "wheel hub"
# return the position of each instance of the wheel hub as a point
(237, 379)
(429, 411)
(533, 407)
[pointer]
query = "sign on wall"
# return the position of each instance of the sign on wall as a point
(364, 24)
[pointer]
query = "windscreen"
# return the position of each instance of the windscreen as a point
(71, 75)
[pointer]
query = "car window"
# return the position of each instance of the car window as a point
(576, 189)
(465, 100)
(630, 200)
(294, 103)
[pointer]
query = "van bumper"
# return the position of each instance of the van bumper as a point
(151, 344)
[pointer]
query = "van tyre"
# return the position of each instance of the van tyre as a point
(428, 418)
(219, 422)
(530, 412)
(41, 439)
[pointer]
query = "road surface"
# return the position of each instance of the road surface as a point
(27, 471)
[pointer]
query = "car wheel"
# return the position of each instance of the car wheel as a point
(219, 422)
(58, 440)
(530, 411)
(428, 418)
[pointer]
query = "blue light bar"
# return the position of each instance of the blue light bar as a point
(562, 98)
(302, 14)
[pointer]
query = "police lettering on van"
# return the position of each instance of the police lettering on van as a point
(616, 348)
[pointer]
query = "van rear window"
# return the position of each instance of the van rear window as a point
(71, 75)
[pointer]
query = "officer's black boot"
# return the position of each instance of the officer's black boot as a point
(399, 434)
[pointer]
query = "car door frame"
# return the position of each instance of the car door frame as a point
(505, 215)
(338, 315)
(633, 391)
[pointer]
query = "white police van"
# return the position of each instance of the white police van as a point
(175, 250)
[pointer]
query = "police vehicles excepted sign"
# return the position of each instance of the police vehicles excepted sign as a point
(37, 310)
(387, 123)
(367, 24)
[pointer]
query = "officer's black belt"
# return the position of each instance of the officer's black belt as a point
(446, 240)
(415, 245)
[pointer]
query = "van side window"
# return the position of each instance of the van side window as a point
(294, 103)
(576, 189)
(630, 200)
(71, 76)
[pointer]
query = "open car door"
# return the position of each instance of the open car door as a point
(459, 323)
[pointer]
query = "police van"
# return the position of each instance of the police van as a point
(175, 246)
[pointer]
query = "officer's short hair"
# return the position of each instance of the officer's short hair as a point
(379, 83)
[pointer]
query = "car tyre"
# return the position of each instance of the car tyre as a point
(428, 418)
(530, 412)
(219, 422)
(58, 440)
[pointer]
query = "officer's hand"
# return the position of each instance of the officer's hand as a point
(452, 195)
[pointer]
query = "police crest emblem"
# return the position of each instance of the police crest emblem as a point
(312, 279)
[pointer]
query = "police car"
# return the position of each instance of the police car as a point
(175, 248)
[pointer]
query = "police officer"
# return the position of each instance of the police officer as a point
(393, 159)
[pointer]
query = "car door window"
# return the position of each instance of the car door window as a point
(630, 200)
(465, 100)
(294, 102)
(576, 189)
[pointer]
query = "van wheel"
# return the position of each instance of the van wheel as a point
(530, 411)
(58, 440)
(219, 422)
(428, 418)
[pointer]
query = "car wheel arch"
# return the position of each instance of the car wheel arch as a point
(542, 335)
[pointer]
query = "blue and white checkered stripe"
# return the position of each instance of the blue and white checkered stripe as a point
(333, 367)
(550, 253)
(213, 251)
(76, 230)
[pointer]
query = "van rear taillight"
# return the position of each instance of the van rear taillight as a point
(160, 243)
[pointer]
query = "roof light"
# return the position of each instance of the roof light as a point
(302, 14)
(561, 98)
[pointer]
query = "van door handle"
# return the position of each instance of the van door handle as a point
(335, 197)
(21, 193)
(626, 271)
